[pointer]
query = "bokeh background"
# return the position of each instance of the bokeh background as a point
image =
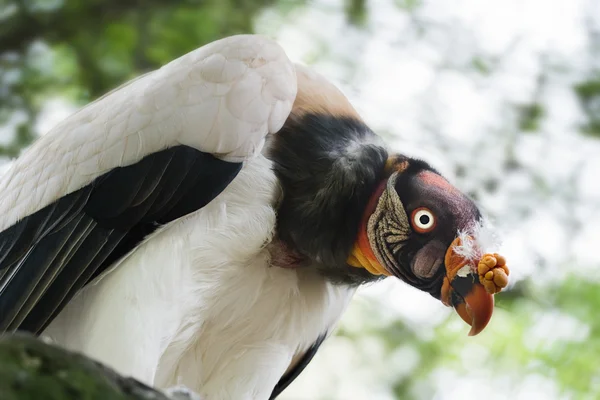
(503, 96)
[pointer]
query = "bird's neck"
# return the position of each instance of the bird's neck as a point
(329, 168)
(362, 255)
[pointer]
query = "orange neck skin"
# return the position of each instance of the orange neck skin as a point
(362, 255)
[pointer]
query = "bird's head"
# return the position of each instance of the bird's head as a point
(423, 230)
(357, 213)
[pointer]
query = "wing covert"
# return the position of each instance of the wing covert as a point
(222, 99)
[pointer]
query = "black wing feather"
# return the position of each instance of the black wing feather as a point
(47, 257)
(68, 283)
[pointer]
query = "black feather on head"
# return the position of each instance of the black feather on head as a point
(328, 167)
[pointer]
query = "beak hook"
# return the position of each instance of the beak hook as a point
(474, 305)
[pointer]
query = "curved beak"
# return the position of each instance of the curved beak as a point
(472, 302)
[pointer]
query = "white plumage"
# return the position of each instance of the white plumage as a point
(154, 231)
(199, 305)
(222, 98)
(198, 302)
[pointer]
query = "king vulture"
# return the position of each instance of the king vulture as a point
(207, 223)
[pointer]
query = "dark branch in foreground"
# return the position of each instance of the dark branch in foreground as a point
(33, 369)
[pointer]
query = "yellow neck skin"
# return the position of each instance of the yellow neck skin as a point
(359, 260)
(362, 255)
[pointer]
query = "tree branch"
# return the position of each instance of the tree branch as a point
(33, 369)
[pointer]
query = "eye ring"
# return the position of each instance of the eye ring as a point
(423, 220)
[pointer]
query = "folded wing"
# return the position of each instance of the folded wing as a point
(152, 151)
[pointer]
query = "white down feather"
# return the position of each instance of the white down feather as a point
(198, 304)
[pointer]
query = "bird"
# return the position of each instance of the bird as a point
(207, 224)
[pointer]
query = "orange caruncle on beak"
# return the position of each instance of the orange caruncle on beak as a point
(469, 290)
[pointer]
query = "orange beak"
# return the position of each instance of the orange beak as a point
(463, 291)
(471, 301)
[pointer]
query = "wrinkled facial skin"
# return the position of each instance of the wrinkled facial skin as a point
(419, 220)
(434, 211)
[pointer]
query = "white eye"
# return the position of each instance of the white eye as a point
(423, 220)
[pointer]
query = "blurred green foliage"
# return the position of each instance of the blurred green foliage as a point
(588, 93)
(521, 341)
(79, 49)
(83, 48)
(530, 117)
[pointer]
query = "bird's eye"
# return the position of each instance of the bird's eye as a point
(423, 220)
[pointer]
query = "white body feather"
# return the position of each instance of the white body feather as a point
(198, 303)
